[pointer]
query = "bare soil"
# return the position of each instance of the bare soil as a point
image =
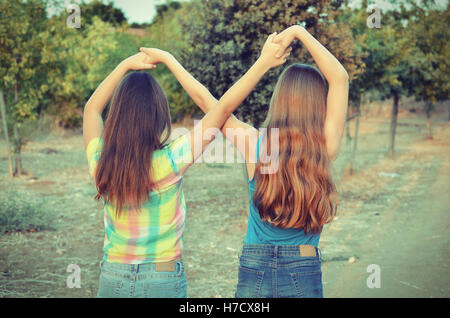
(393, 213)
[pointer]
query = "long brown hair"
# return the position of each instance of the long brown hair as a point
(138, 123)
(300, 193)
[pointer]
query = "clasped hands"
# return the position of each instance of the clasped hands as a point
(275, 51)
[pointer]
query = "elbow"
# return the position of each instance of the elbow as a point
(340, 79)
(343, 76)
(87, 109)
(333, 156)
(333, 153)
(333, 146)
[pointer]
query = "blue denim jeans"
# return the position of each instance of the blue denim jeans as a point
(268, 271)
(141, 281)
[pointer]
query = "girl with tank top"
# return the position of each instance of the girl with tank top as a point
(288, 163)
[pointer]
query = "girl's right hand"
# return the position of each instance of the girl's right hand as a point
(269, 51)
(137, 62)
(286, 37)
(155, 55)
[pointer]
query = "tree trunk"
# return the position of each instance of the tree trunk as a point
(17, 141)
(355, 138)
(394, 116)
(348, 138)
(5, 129)
(380, 107)
(428, 107)
(17, 146)
(348, 141)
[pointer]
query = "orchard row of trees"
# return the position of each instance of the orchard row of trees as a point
(47, 67)
(406, 55)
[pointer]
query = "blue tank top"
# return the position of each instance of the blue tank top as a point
(259, 232)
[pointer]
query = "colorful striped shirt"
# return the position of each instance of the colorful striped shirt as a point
(154, 233)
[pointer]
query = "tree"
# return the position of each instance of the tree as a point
(79, 66)
(226, 38)
(383, 52)
(45, 64)
(21, 63)
(388, 59)
(415, 57)
(5, 131)
(166, 33)
(106, 12)
(361, 82)
(428, 71)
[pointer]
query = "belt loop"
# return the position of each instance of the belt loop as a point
(276, 251)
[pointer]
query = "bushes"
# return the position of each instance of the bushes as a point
(21, 212)
(226, 38)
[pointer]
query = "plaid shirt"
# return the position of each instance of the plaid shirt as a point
(154, 233)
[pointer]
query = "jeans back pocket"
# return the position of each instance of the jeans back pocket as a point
(249, 282)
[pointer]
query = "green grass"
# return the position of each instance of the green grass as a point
(19, 211)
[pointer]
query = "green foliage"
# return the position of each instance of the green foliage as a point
(428, 65)
(47, 67)
(22, 67)
(167, 34)
(20, 212)
(407, 55)
(79, 65)
(226, 38)
(106, 12)
(388, 53)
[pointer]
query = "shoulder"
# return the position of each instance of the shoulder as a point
(178, 142)
(180, 152)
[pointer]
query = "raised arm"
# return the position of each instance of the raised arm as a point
(336, 76)
(233, 128)
(199, 93)
(217, 111)
(235, 95)
(92, 119)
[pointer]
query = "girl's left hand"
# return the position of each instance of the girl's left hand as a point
(139, 61)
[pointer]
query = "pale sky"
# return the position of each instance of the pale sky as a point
(138, 11)
(144, 10)
(141, 11)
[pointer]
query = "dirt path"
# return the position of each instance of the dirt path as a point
(393, 213)
(407, 238)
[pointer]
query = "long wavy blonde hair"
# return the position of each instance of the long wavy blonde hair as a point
(300, 193)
